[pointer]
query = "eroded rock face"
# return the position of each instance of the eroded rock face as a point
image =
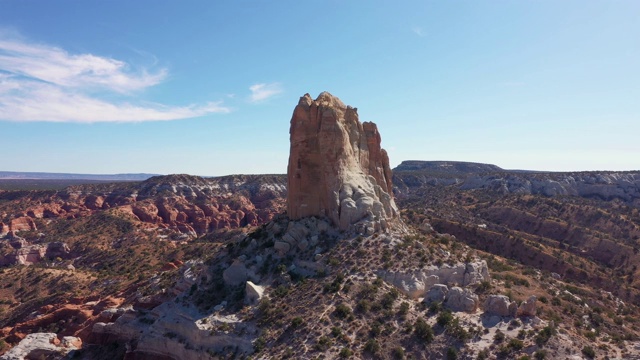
(437, 293)
(459, 299)
(528, 307)
(337, 168)
(500, 305)
(23, 223)
(41, 346)
(415, 283)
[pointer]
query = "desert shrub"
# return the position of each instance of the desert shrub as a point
(484, 286)
(372, 346)
(259, 344)
(498, 337)
(516, 344)
(342, 311)
(483, 354)
(345, 353)
(336, 331)
(540, 355)
(544, 335)
(452, 353)
(457, 331)
(398, 353)
(281, 291)
(296, 322)
(388, 299)
(588, 352)
(590, 335)
(444, 318)
(363, 305)
(423, 331)
(323, 343)
(404, 309)
(376, 329)
(435, 307)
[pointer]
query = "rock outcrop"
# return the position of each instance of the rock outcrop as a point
(22, 223)
(437, 293)
(25, 254)
(415, 283)
(500, 305)
(337, 168)
(528, 307)
(459, 299)
(42, 346)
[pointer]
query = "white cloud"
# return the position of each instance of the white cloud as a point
(418, 31)
(46, 83)
(261, 92)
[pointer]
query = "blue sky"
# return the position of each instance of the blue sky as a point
(208, 87)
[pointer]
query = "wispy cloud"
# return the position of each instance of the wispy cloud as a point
(262, 92)
(418, 31)
(513, 84)
(46, 83)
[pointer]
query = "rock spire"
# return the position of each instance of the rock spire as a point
(337, 168)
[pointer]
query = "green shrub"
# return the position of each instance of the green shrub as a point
(444, 318)
(483, 354)
(345, 353)
(423, 331)
(372, 346)
(589, 352)
(452, 353)
(323, 343)
(398, 353)
(296, 322)
(336, 331)
(363, 306)
(342, 311)
(540, 354)
(404, 309)
(544, 335)
(516, 344)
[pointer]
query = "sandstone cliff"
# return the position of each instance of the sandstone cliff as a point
(337, 168)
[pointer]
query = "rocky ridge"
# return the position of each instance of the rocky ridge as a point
(183, 203)
(604, 185)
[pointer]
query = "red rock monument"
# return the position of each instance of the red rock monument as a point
(337, 168)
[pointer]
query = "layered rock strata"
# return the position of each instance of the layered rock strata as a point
(337, 168)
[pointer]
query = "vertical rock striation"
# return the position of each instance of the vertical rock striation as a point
(337, 168)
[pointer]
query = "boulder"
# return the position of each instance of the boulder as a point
(253, 293)
(337, 168)
(57, 249)
(500, 305)
(459, 299)
(528, 307)
(281, 247)
(437, 293)
(475, 273)
(235, 274)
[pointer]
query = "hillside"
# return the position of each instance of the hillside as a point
(534, 244)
